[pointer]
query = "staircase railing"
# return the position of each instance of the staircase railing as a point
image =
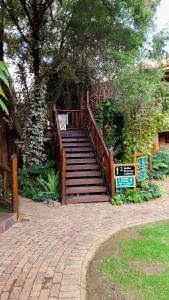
(61, 159)
(10, 175)
(104, 155)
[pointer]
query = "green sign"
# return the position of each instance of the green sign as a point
(127, 170)
(125, 182)
(142, 174)
(142, 162)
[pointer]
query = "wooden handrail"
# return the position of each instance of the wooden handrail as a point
(105, 156)
(62, 156)
(97, 130)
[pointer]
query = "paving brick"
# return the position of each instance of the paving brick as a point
(42, 258)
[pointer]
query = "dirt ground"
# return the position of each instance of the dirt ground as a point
(99, 286)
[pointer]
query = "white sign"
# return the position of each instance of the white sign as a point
(63, 121)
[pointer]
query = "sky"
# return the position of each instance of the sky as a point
(162, 14)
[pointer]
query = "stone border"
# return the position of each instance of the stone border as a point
(92, 251)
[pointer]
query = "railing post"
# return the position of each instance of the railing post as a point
(14, 169)
(5, 184)
(87, 97)
(81, 110)
(111, 163)
(63, 176)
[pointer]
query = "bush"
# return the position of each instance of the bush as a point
(39, 183)
(160, 165)
(145, 192)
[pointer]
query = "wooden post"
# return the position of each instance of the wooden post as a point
(81, 110)
(63, 176)
(87, 98)
(111, 166)
(5, 184)
(135, 162)
(150, 164)
(14, 169)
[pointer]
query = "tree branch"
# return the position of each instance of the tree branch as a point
(23, 2)
(11, 14)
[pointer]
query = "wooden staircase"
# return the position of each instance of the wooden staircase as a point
(84, 181)
(85, 164)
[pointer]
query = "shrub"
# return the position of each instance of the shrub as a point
(146, 192)
(160, 165)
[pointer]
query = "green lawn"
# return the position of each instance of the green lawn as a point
(142, 266)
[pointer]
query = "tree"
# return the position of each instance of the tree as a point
(141, 97)
(59, 40)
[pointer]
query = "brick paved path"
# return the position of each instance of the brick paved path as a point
(41, 256)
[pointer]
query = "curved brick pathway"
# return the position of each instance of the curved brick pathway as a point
(41, 256)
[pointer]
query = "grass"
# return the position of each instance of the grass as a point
(142, 268)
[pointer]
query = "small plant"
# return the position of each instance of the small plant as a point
(146, 192)
(132, 196)
(117, 200)
(50, 185)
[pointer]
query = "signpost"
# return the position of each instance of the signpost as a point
(63, 121)
(142, 168)
(125, 182)
(125, 170)
(125, 175)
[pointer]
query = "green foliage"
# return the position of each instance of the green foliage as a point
(142, 267)
(160, 165)
(110, 122)
(145, 192)
(50, 185)
(141, 97)
(39, 183)
(4, 80)
(117, 200)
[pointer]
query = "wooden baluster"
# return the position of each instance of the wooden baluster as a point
(5, 184)
(15, 201)
(81, 111)
(77, 121)
(73, 119)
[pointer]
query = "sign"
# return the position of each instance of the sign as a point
(142, 174)
(125, 170)
(142, 161)
(63, 121)
(125, 182)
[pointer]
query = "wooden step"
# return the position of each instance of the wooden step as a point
(78, 149)
(82, 167)
(73, 134)
(80, 144)
(82, 174)
(80, 155)
(87, 199)
(84, 181)
(72, 140)
(85, 190)
(81, 161)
